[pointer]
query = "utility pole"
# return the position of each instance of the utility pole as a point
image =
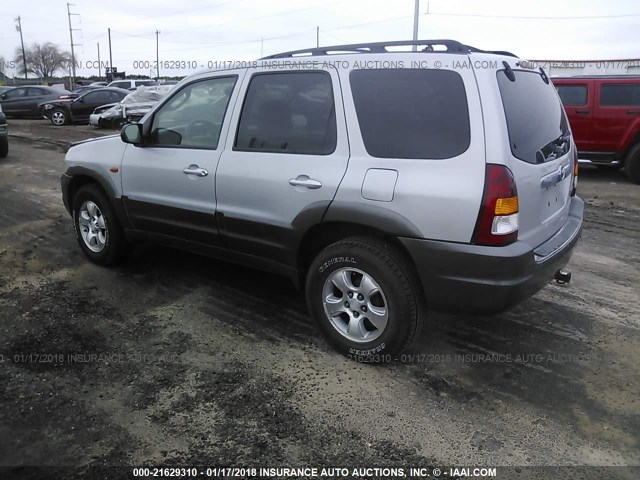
(110, 58)
(157, 57)
(99, 64)
(262, 47)
(73, 53)
(317, 37)
(416, 12)
(24, 57)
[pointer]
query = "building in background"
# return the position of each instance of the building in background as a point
(564, 68)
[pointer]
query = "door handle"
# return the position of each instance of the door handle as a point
(583, 112)
(194, 169)
(633, 112)
(305, 181)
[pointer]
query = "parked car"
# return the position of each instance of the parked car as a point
(85, 88)
(381, 191)
(4, 88)
(4, 135)
(25, 101)
(78, 110)
(98, 84)
(133, 84)
(604, 112)
(132, 108)
(108, 116)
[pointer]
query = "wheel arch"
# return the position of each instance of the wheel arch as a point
(324, 234)
(81, 176)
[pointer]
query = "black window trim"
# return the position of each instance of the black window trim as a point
(146, 132)
(284, 152)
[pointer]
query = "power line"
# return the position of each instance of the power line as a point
(260, 17)
(522, 17)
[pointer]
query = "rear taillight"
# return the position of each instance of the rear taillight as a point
(574, 187)
(497, 223)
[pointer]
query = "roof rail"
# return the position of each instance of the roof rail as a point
(381, 47)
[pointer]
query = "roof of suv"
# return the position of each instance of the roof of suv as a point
(450, 46)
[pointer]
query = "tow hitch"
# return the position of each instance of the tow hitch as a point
(562, 277)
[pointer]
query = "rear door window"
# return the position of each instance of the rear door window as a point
(411, 113)
(573, 95)
(535, 117)
(620, 95)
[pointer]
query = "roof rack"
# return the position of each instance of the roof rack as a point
(381, 47)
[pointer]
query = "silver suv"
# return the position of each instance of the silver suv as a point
(381, 182)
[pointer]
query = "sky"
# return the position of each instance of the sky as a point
(200, 33)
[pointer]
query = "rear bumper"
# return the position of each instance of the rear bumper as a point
(477, 279)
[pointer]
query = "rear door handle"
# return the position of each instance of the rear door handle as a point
(305, 181)
(633, 112)
(583, 112)
(194, 169)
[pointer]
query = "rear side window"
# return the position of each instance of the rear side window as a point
(620, 95)
(288, 113)
(535, 117)
(411, 113)
(572, 95)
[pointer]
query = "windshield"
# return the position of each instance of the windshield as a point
(537, 124)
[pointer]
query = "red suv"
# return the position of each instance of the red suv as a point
(604, 113)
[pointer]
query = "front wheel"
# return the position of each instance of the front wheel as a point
(97, 229)
(365, 298)
(4, 147)
(58, 117)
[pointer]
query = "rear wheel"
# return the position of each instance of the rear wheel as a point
(632, 164)
(364, 298)
(4, 147)
(58, 117)
(609, 168)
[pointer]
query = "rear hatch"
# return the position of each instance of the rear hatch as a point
(541, 151)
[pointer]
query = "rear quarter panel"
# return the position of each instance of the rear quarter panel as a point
(441, 197)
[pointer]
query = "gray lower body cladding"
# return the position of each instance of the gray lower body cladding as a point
(476, 279)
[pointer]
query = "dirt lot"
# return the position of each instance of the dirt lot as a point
(175, 359)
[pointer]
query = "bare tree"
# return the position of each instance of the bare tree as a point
(43, 60)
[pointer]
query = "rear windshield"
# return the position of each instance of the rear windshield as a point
(406, 113)
(538, 127)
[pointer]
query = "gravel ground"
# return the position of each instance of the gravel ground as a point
(174, 359)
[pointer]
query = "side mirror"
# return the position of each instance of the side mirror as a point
(132, 133)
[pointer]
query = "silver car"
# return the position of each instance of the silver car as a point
(382, 183)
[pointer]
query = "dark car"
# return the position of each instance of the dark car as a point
(25, 101)
(604, 113)
(77, 110)
(4, 133)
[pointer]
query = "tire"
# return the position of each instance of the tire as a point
(609, 168)
(337, 273)
(4, 147)
(632, 164)
(99, 233)
(58, 117)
